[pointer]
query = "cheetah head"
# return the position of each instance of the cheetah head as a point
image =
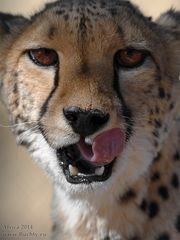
(92, 89)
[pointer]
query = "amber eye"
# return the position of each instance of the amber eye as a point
(43, 56)
(130, 58)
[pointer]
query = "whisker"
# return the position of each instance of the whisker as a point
(26, 133)
(15, 125)
(30, 129)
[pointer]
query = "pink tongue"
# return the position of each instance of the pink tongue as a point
(106, 146)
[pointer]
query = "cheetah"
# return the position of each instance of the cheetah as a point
(92, 89)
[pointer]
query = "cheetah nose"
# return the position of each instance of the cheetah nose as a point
(85, 122)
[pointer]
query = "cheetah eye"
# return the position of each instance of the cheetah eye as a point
(130, 57)
(43, 57)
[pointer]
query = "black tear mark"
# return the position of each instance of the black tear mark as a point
(127, 114)
(43, 132)
(45, 105)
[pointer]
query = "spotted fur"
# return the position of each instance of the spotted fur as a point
(140, 201)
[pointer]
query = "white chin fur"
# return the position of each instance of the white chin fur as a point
(126, 169)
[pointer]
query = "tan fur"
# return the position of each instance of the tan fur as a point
(86, 73)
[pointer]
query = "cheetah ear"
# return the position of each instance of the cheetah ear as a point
(11, 24)
(10, 27)
(170, 19)
(170, 23)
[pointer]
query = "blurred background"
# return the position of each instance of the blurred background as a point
(25, 192)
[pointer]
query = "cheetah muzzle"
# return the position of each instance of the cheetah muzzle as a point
(86, 163)
(93, 93)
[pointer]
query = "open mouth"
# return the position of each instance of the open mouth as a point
(78, 170)
(85, 163)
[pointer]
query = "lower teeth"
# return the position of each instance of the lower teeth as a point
(74, 171)
(99, 171)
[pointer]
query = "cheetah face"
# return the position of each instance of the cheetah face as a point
(87, 88)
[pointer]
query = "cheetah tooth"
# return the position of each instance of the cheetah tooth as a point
(73, 170)
(88, 141)
(99, 171)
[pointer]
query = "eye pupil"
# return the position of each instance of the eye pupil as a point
(43, 56)
(129, 53)
(130, 58)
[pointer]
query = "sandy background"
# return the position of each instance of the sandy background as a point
(25, 192)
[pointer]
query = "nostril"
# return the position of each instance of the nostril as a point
(71, 117)
(71, 114)
(99, 119)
